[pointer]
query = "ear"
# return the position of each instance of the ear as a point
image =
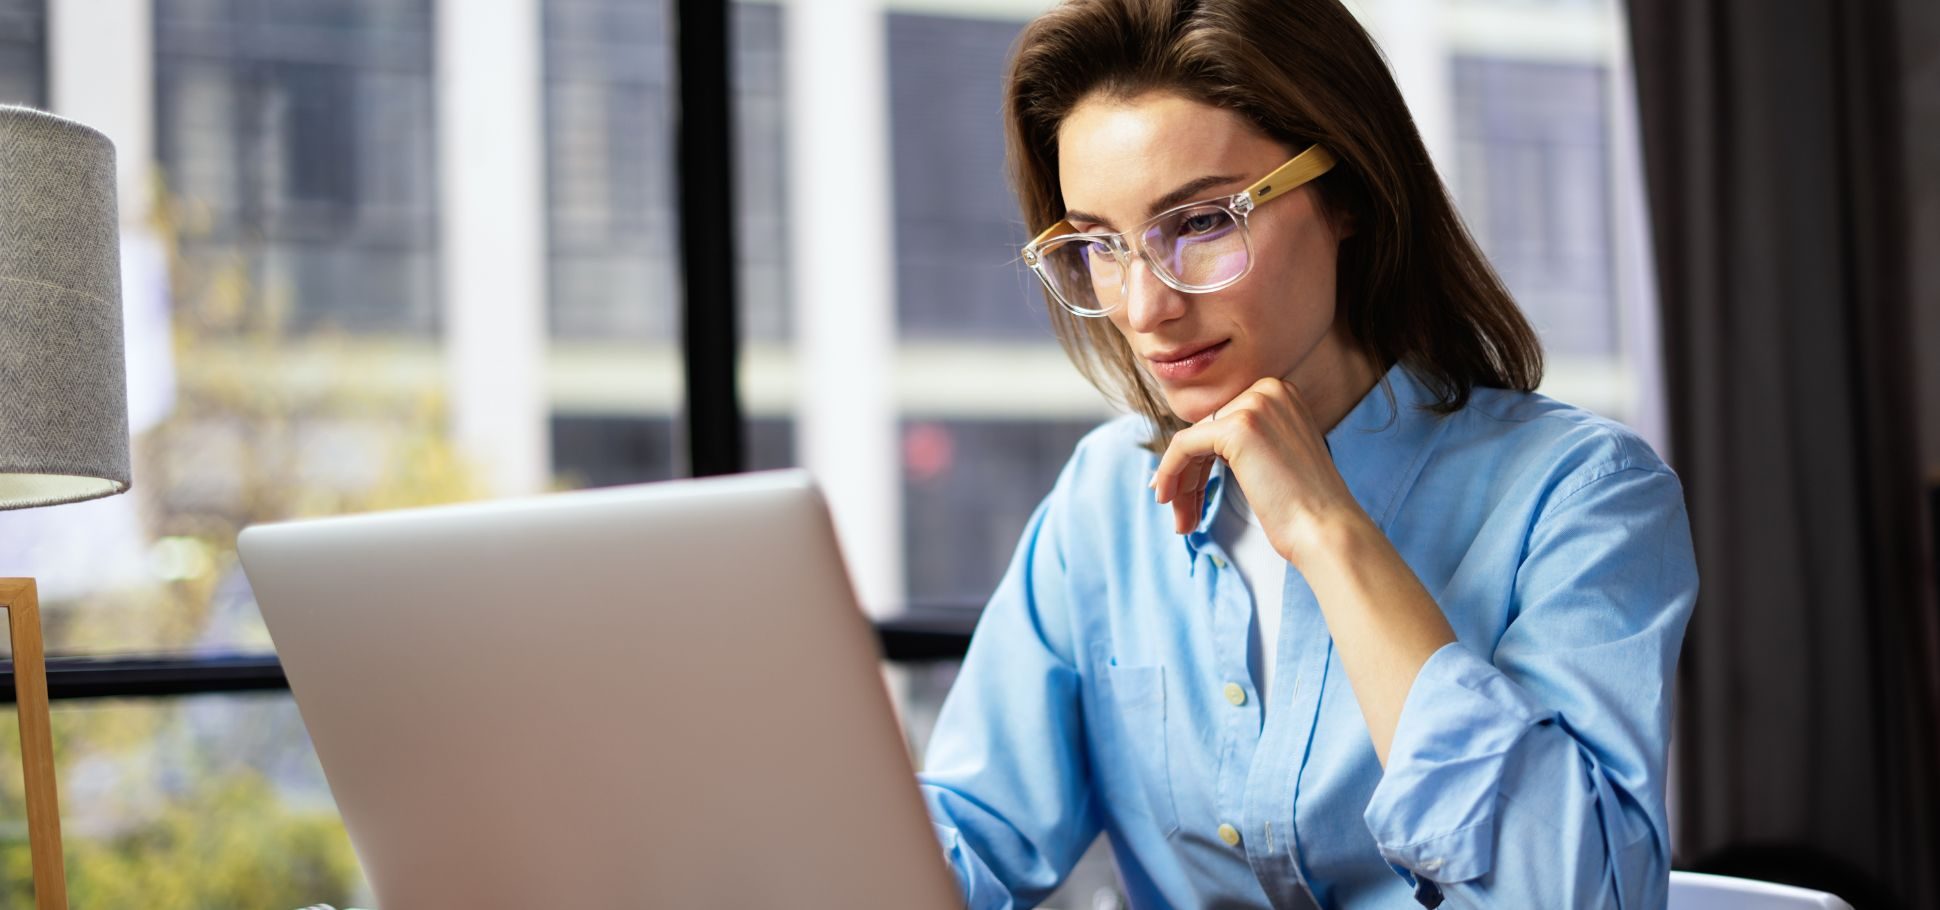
(1338, 217)
(1344, 224)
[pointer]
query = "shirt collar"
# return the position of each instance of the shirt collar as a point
(1378, 449)
(1380, 446)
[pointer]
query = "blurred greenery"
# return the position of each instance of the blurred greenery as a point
(224, 839)
(174, 803)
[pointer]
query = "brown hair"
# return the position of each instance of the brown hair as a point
(1413, 285)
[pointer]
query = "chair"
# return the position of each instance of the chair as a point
(1698, 891)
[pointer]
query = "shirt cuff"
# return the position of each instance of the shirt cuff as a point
(1433, 813)
(980, 886)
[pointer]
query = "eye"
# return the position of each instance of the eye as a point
(1202, 223)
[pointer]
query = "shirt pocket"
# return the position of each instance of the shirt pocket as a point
(1140, 694)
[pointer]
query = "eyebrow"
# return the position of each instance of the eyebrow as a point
(1183, 193)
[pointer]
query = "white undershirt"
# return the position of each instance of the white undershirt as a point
(1260, 567)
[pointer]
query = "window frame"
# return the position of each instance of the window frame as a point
(714, 425)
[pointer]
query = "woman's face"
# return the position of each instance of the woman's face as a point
(1121, 161)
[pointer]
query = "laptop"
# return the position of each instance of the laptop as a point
(661, 695)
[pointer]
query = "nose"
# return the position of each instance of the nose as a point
(1150, 302)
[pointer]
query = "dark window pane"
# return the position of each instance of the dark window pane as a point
(23, 57)
(1535, 177)
(760, 191)
(596, 451)
(958, 273)
(300, 137)
(969, 487)
(609, 153)
(609, 451)
(610, 158)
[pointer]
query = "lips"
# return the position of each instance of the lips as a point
(1181, 364)
(1178, 354)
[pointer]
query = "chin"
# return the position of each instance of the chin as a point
(1196, 404)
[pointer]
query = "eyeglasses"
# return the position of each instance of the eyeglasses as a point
(1196, 248)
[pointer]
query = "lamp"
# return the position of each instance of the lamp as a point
(63, 393)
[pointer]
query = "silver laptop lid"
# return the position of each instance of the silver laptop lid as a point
(660, 695)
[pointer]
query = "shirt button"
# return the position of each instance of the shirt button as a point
(1235, 694)
(1229, 834)
(1219, 561)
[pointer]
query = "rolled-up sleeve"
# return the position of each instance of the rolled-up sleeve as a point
(1005, 775)
(1529, 771)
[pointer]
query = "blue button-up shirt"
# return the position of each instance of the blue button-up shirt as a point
(1527, 768)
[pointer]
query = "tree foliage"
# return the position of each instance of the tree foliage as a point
(188, 803)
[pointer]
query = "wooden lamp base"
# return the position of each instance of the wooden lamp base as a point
(20, 599)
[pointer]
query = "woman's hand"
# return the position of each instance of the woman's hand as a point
(1276, 454)
(1384, 622)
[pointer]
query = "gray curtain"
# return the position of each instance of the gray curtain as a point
(1810, 680)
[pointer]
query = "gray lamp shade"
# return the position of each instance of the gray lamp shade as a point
(63, 385)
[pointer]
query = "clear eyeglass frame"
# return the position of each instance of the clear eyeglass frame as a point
(1124, 245)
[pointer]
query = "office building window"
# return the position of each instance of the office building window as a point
(968, 488)
(298, 138)
(984, 408)
(615, 270)
(970, 480)
(23, 58)
(760, 201)
(958, 272)
(604, 451)
(614, 259)
(1534, 180)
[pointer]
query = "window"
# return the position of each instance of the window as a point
(281, 303)
(1535, 172)
(614, 266)
(976, 462)
(1531, 130)
(302, 136)
(958, 272)
(208, 801)
(969, 485)
(613, 259)
(23, 63)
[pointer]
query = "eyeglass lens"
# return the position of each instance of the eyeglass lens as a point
(1198, 248)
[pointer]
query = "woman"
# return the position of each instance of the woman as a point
(1342, 614)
